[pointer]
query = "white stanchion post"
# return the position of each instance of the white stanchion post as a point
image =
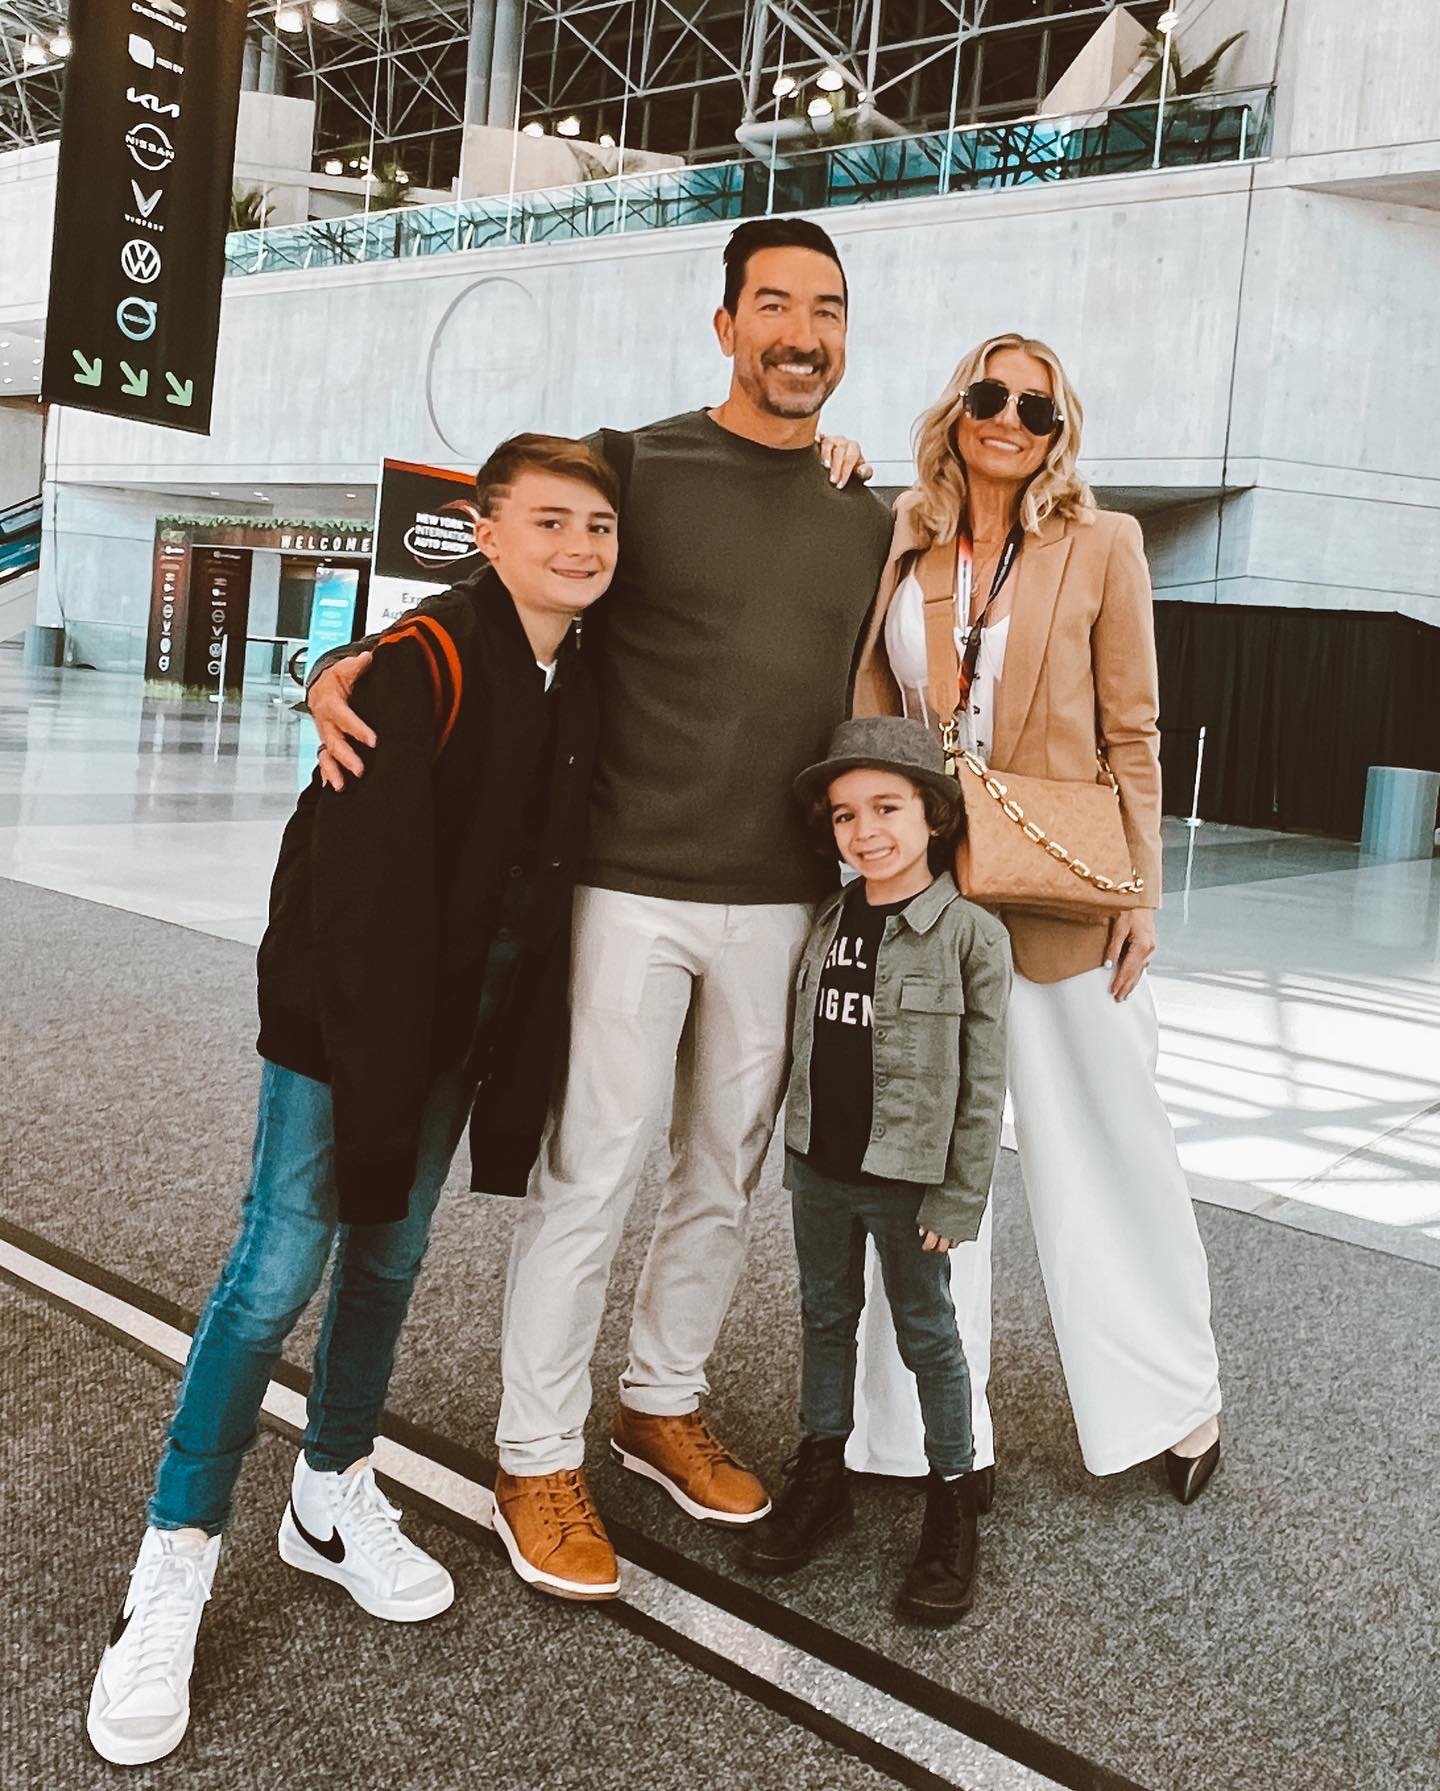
(1193, 820)
(219, 698)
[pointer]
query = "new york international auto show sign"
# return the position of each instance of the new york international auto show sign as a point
(424, 537)
(147, 145)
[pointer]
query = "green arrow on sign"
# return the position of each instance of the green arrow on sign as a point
(180, 393)
(90, 371)
(135, 384)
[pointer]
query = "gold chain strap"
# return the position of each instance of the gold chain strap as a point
(1032, 830)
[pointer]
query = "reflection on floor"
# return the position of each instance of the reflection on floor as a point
(1298, 984)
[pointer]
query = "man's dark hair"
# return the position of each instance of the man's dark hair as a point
(773, 233)
(558, 454)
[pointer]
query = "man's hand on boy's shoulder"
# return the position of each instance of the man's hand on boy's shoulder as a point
(337, 724)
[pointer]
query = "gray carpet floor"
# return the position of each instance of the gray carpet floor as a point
(1280, 1635)
(294, 1686)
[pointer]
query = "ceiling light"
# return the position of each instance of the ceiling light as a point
(352, 494)
(60, 45)
(820, 108)
(533, 129)
(34, 55)
(326, 12)
(606, 141)
(1167, 21)
(784, 86)
(830, 80)
(289, 18)
(568, 127)
(334, 166)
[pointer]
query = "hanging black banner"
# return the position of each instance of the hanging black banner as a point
(147, 148)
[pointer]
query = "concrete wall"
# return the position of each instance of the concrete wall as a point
(1359, 77)
(438, 359)
(27, 212)
(22, 429)
(274, 151)
(1205, 24)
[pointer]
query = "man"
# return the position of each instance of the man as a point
(724, 654)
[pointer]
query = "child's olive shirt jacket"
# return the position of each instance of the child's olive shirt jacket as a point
(942, 981)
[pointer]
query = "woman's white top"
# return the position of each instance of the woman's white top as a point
(905, 648)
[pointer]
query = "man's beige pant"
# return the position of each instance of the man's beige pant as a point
(700, 992)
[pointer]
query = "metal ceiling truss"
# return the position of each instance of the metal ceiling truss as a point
(674, 76)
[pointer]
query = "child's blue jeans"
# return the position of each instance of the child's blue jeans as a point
(288, 1227)
(832, 1221)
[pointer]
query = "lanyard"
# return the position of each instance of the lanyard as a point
(964, 558)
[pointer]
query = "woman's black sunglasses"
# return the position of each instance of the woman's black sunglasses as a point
(1037, 413)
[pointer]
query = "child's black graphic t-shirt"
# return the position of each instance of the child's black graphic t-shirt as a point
(841, 1061)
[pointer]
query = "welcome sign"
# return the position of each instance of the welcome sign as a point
(147, 145)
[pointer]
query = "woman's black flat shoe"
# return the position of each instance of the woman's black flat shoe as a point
(1190, 1475)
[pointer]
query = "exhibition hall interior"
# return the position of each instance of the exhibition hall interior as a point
(275, 281)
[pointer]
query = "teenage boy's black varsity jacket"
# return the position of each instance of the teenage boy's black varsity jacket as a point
(468, 823)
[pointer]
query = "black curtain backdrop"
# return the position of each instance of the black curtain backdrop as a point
(1297, 705)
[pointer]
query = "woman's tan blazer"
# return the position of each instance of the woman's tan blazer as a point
(1079, 667)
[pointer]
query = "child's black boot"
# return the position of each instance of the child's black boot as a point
(814, 1504)
(940, 1585)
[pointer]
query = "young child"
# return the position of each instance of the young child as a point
(414, 917)
(892, 1124)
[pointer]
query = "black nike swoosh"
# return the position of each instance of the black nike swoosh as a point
(333, 1549)
(122, 1623)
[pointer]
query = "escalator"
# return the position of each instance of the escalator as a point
(19, 566)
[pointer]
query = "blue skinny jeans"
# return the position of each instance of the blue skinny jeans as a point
(289, 1228)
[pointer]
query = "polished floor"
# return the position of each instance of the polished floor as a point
(1281, 1633)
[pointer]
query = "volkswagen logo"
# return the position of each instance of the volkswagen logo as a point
(140, 261)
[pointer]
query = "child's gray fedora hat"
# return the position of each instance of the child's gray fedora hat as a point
(879, 743)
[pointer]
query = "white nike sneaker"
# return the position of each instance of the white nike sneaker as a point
(343, 1528)
(140, 1705)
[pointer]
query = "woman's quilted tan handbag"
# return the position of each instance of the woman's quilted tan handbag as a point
(1042, 845)
(1039, 844)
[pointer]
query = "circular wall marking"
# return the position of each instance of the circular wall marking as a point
(486, 365)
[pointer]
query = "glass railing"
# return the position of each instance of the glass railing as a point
(1207, 129)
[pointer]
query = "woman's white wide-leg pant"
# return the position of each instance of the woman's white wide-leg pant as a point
(1124, 1268)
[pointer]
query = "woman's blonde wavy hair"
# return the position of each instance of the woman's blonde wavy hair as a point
(1056, 489)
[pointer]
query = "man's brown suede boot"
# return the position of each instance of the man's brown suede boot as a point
(694, 1467)
(553, 1534)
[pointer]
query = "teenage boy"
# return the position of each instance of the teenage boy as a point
(413, 920)
(891, 1129)
(745, 573)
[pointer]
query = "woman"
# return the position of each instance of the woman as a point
(1053, 601)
